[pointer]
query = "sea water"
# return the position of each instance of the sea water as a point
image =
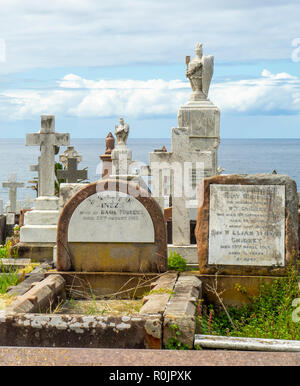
(235, 156)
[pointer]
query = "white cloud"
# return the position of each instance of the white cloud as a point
(270, 94)
(98, 33)
(75, 96)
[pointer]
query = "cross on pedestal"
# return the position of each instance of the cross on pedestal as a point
(71, 174)
(13, 185)
(48, 140)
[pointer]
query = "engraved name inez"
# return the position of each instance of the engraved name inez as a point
(247, 225)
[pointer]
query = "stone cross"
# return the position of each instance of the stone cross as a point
(70, 153)
(71, 174)
(48, 140)
(12, 184)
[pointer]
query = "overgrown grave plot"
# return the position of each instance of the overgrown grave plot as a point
(47, 315)
(273, 313)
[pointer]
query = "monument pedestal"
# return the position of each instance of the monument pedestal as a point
(202, 118)
(38, 235)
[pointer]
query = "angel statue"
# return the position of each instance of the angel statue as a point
(199, 72)
(122, 132)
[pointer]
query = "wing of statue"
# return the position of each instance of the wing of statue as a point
(208, 70)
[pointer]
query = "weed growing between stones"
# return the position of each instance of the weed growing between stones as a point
(269, 315)
(174, 342)
(176, 262)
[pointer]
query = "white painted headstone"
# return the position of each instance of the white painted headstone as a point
(107, 217)
(247, 225)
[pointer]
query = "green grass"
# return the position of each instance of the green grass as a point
(7, 279)
(269, 315)
(3, 252)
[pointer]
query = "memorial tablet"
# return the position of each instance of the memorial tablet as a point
(247, 225)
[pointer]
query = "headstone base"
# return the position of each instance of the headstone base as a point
(35, 252)
(41, 223)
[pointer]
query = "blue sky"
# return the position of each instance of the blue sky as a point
(89, 62)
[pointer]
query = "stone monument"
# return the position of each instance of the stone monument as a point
(106, 157)
(247, 227)
(39, 232)
(194, 154)
(121, 155)
(70, 159)
(13, 185)
(111, 234)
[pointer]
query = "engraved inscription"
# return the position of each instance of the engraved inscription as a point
(247, 225)
(111, 217)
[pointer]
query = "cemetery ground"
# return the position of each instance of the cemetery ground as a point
(266, 315)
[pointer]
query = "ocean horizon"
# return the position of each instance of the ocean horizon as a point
(252, 155)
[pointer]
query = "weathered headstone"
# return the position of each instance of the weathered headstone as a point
(13, 185)
(49, 141)
(1, 207)
(247, 224)
(71, 174)
(113, 226)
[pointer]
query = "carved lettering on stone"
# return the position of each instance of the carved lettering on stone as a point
(247, 225)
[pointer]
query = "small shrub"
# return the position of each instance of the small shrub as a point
(176, 262)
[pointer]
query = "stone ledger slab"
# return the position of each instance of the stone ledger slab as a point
(247, 224)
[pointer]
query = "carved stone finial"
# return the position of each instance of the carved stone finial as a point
(122, 132)
(199, 72)
(110, 143)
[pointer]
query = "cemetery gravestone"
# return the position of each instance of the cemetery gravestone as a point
(72, 174)
(105, 228)
(247, 225)
(38, 235)
(13, 185)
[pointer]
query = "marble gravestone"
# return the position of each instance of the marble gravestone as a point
(13, 185)
(106, 228)
(40, 224)
(247, 224)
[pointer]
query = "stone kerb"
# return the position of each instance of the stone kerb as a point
(64, 257)
(291, 242)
